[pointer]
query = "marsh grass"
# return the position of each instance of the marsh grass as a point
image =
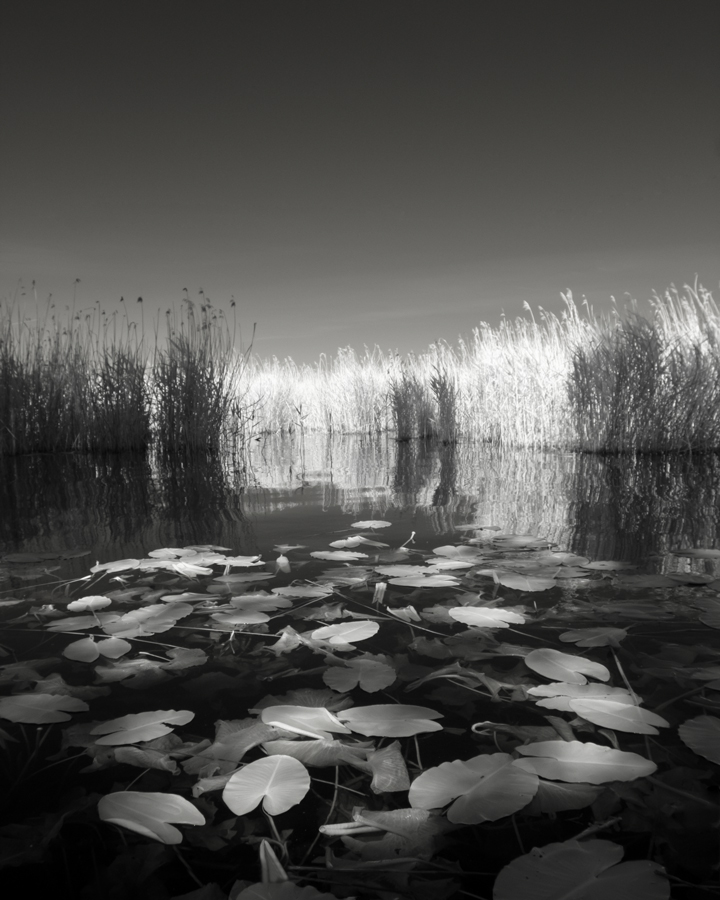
(620, 383)
(196, 384)
(71, 382)
(642, 385)
(85, 381)
(410, 402)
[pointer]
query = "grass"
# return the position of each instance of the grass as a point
(71, 382)
(620, 383)
(85, 381)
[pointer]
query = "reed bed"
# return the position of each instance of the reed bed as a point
(71, 382)
(196, 382)
(85, 381)
(620, 383)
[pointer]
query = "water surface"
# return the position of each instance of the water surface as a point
(310, 492)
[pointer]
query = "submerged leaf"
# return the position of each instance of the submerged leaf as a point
(588, 870)
(595, 637)
(702, 735)
(39, 709)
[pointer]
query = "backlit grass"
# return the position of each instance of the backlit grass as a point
(576, 381)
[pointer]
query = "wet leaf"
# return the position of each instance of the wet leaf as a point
(241, 617)
(554, 797)
(310, 721)
(140, 726)
(484, 788)
(588, 870)
(370, 674)
(88, 603)
(39, 709)
(702, 735)
(595, 637)
(150, 813)
(564, 667)
(390, 720)
(618, 716)
(303, 591)
(559, 694)
(575, 761)
(119, 565)
(345, 633)
(338, 554)
(519, 582)
(426, 581)
(280, 782)
(485, 617)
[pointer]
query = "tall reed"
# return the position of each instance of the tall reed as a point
(622, 383)
(196, 383)
(619, 383)
(644, 385)
(72, 381)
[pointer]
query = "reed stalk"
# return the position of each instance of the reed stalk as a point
(622, 383)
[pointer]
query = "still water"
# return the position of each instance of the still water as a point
(215, 675)
(310, 491)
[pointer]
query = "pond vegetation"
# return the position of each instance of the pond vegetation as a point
(623, 383)
(367, 719)
(451, 711)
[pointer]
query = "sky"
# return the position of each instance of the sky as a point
(358, 172)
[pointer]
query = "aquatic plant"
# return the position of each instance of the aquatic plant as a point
(651, 385)
(428, 717)
(623, 383)
(71, 381)
(196, 383)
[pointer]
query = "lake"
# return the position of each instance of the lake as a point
(604, 507)
(384, 650)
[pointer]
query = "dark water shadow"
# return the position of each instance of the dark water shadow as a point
(123, 506)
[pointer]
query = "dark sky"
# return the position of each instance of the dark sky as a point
(359, 171)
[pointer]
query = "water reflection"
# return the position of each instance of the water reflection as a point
(305, 491)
